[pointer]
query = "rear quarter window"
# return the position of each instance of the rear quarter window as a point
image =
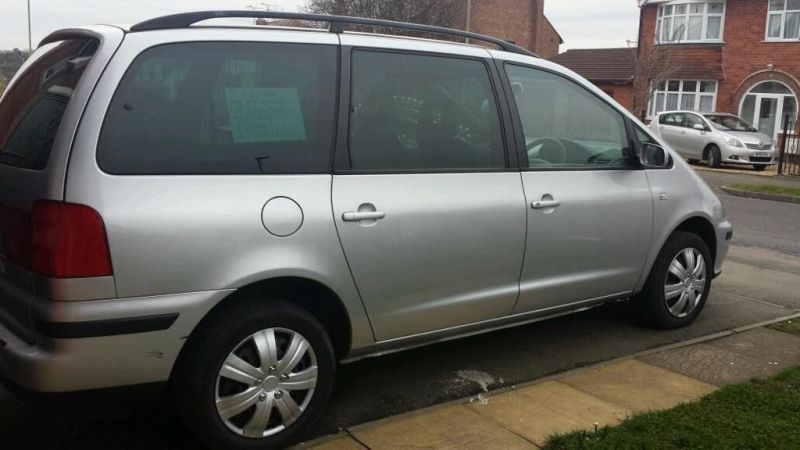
(31, 112)
(223, 108)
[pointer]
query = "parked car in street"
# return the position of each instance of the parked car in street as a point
(232, 211)
(715, 138)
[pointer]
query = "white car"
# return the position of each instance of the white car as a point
(716, 138)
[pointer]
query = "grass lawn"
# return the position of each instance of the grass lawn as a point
(783, 190)
(790, 326)
(761, 414)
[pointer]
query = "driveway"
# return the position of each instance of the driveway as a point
(761, 281)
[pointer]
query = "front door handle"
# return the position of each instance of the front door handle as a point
(683, 131)
(366, 215)
(545, 204)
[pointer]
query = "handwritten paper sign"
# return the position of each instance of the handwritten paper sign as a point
(265, 115)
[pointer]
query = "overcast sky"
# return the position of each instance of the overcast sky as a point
(582, 23)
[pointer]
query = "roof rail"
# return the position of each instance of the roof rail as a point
(337, 24)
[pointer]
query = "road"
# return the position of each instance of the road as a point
(759, 223)
(761, 281)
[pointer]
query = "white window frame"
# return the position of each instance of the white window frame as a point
(781, 13)
(683, 39)
(651, 107)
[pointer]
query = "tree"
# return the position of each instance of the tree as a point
(655, 64)
(444, 13)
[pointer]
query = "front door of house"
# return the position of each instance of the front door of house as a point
(766, 107)
(766, 117)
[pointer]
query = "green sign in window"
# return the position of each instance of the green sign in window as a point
(265, 115)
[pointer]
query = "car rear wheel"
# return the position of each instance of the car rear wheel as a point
(679, 282)
(255, 376)
(713, 157)
(759, 168)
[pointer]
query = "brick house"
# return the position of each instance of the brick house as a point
(610, 69)
(737, 56)
(519, 21)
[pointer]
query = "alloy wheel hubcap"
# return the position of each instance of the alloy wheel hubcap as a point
(266, 382)
(685, 282)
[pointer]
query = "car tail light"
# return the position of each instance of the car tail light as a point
(68, 241)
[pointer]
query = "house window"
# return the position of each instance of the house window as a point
(783, 20)
(690, 22)
(683, 95)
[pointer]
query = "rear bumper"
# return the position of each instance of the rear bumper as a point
(102, 343)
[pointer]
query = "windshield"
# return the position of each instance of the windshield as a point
(729, 123)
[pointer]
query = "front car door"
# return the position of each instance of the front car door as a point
(670, 127)
(589, 205)
(430, 215)
(692, 139)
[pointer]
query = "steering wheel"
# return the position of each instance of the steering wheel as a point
(550, 144)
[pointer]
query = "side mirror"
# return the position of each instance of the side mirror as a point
(654, 156)
(699, 126)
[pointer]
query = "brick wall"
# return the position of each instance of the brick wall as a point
(548, 41)
(741, 62)
(510, 20)
(622, 93)
(518, 21)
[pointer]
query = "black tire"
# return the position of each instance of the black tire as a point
(759, 168)
(194, 380)
(713, 157)
(651, 303)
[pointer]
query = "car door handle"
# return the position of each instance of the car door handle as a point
(683, 131)
(545, 204)
(359, 216)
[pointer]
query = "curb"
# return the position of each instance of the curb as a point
(346, 432)
(761, 195)
(732, 170)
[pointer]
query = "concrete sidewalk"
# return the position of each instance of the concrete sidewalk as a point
(604, 394)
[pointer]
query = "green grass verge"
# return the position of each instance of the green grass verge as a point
(790, 326)
(765, 189)
(761, 414)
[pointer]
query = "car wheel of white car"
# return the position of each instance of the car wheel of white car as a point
(713, 157)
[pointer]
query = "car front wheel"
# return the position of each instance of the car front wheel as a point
(713, 157)
(255, 376)
(679, 282)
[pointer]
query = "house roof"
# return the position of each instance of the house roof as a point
(600, 64)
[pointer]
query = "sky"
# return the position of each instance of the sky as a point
(582, 23)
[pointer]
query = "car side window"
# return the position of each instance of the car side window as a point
(666, 119)
(565, 125)
(223, 108)
(691, 121)
(421, 112)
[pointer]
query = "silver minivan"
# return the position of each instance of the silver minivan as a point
(716, 138)
(231, 211)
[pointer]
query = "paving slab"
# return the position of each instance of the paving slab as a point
(638, 386)
(552, 407)
(453, 427)
(778, 349)
(710, 364)
(770, 285)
